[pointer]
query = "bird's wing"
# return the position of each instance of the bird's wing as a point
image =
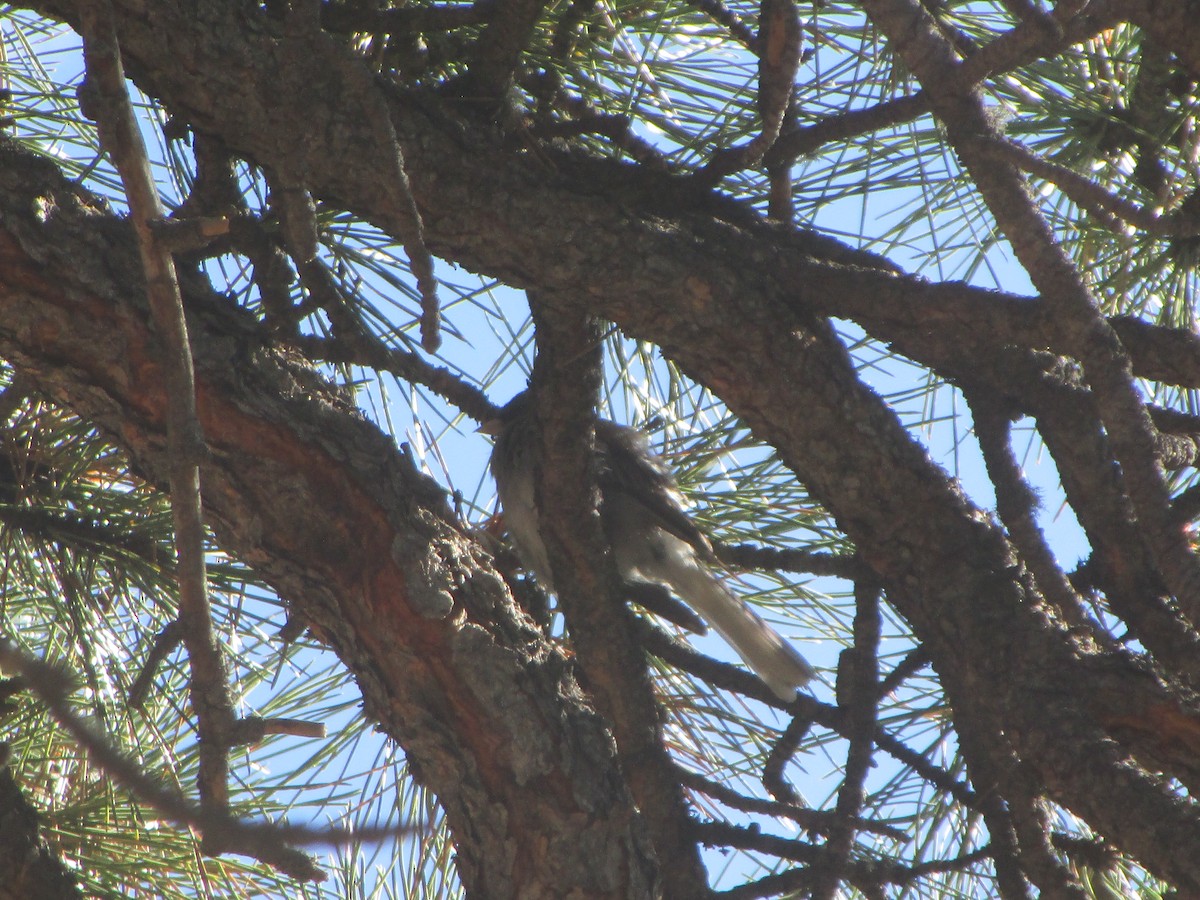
(627, 465)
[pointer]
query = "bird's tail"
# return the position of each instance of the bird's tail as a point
(771, 657)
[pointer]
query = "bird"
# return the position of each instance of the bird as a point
(650, 535)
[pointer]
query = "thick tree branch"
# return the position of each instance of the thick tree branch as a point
(497, 53)
(566, 381)
(1089, 338)
(1173, 24)
(484, 707)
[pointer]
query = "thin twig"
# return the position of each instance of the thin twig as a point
(1114, 212)
(562, 47)
(164, 644)
(781, 754)
(862, 692)
(304, 37)
(121, 138)
(365, 349)
(818, 821)
(1015, 48)
(1069, 303)
(716, 672)
(912, 663)
(252, 729)
(265, 841)
(587, 119)
(778, 44)
(813, 562)
(1016, 504)
(735, 24)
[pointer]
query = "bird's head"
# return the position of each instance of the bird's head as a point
(519, 406)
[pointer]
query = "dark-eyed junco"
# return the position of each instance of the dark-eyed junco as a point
(651, 536)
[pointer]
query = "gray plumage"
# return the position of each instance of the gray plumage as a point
(651, 536)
